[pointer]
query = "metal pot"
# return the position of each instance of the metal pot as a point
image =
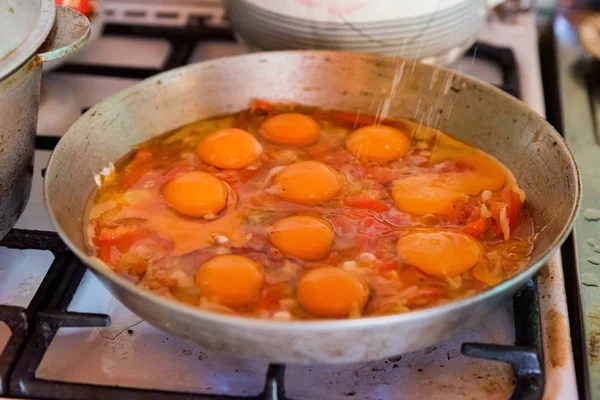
(475, 112)
(32, 31)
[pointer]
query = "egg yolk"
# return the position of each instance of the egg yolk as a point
(420, 195)
(444, 254)
(377, 143)
(291, 128)
(196, 194)
(331, 292)
(230, 280)
(305, 237)
(435, 193)
(308, 182)
(229, 149)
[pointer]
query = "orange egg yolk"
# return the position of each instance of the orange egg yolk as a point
(229, 149)
(436, 193)
(196, 194)
(377, 143)
(444, 254)
(291, 128)
(230, 280)
(331, 292)
(308, 182)
(305, 237)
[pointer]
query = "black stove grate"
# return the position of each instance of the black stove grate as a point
(34, 328)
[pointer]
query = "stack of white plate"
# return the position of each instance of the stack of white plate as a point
(436, 31)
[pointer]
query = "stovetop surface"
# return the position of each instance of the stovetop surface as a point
(130, 353)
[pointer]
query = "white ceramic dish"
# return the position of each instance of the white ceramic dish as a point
(431, 32)
(354, 32)
(432, 37)
(355, 11)
(342, 24)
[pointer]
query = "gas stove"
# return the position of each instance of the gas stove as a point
(62, 335)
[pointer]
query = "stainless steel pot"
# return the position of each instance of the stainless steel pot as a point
(465, 108)
(31, 32)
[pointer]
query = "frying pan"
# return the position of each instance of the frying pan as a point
(472, 111)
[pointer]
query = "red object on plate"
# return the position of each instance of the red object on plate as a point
(83, 6)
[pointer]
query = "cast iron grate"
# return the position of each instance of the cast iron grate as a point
(35, 327)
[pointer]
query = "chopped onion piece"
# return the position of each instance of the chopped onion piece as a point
(274, 171)
(349, 266)
(504, 223)
(288, 303)
(220, 250)
(486, 195)
(366, 257)
(485, 213)
(355, 312)
(282, 316)
(220, 239)
(454, 282)
(183, 281)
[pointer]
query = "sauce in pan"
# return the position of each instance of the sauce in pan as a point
(290, 212)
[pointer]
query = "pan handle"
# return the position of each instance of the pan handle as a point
(71, 30)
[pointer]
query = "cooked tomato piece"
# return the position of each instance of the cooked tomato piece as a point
(362, 201)
(317, 149)
(475, 228)
(131, 178)
(142, 154)
(262, 105)
(510, 200)
(237, 176)
(270, 297)
(122, 237)
(140, 166)
(83, 6)
(382, 174)
(426, 296)
(353, 119)
(387, 267)
(104, 251)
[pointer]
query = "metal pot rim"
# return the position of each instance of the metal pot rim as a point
(102, 269)
(26, 50)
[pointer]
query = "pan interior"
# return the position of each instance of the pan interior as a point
(473, 112)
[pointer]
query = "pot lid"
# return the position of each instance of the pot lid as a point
(24, 25)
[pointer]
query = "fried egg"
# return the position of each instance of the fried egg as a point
(377, 143)
(196, 194)
(302, 236)
(435, 193)
(291, 128)
(441, 253)
(307, 182)
(331, 292)
(231, 280)
(229, 148)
